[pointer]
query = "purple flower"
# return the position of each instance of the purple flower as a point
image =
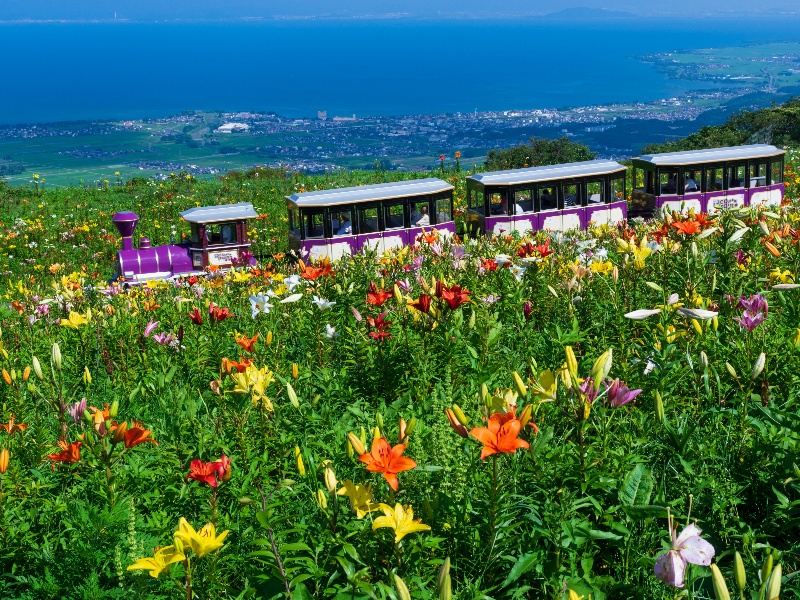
(356, 314)
(164, 339)
(754, 304)
(490, 299)
(416, 264)
(742, 257)
(436, 248)
(587, 389)
(527, 309)
(76, 410)
(150, 327)
(620, 394)
(457, 252)
(749, 321)
(404, 285)
(688, 547)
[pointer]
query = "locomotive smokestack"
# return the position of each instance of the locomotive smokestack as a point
(125, 222)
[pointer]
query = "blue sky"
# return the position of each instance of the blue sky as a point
(218, 9)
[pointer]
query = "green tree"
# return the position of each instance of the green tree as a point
(538, 152)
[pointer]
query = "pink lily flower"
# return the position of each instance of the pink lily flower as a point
(688, 547)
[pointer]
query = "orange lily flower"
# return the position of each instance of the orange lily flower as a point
(12, 426)
(376, 296)
(229, 365)
(500, 435)
(137, 435)
(70, 453)
(247, 344)
(387, 460)
(687, 227)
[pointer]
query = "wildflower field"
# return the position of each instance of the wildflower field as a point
(612, 413)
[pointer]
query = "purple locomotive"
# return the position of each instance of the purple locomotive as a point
(218, 239)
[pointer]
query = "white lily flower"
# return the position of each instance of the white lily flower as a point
(259, 304)
(502, 260)
(330, 332)
(292, 298)
(696, 313)
(292, 282)
(641, 314)
(517, 271)
(322, 303)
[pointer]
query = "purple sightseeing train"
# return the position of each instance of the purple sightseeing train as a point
(555, 198)
(218, 238)
(383, 216)
(708, 180)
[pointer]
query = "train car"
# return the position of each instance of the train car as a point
(218, 238)
(382, 216)
(555, 197)
(708, 180)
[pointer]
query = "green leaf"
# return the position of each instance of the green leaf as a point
(639, 513)
(598, 534)
(636, 487)
(524, 564)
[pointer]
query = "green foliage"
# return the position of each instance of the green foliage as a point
(539, 152)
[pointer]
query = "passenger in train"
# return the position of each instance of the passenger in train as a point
(346, 228)
(424, 220)
(690, 185)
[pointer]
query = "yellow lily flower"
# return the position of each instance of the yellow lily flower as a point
(160, 561)
(360, 496)
(75, 320)
(503, 400)
(240, 276)
(400, 519)
(201, 542)
(546, 387)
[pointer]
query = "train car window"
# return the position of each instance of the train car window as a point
(341, 221)
(394, 215)
(523, 200)
(221, 233)
(195, 234)
(444, 210)
(736, 177)
(571, 194)
(758, 174)
(368, 220)
(649, 182)
(617, 189)
(475, 200)
(691, 179)
(714, 179)
(777, 171)
(314, 223)
(420, 214)
(594, 193)
(294, 221)
(498, 205)
(548, 199)
(668, 181)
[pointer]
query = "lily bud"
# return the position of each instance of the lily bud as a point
(268, 339)
(87, 376)
(119, 432)
(766, 568)
(471, 322)
(738, 572)
(412, 425)
(401, 427)
(179, 544)
(37, 367)
(525, 415)
(764, 228)
(703, 360)
(572, 362)
(322, 499)
(26, 373)
(761, 362)
(565, 376)
(774, 588)
(615, 274)
(446, 591)
(379, 420)
(659, 407)
(697, 327)
(444, 571)
(301, 467)
(292, 395)
(602, 367)
(376, 433)
(720, 588)
(114, 410)
(731, 370)
(772, 249)
(715, 323)
(356, 443)
(4, 458)
(55, 356)
(402, 590)
(455, 424)
(521, 387)
(462, 418)
(484, 393)
(694, 251)
(398, 296)
(295, 371)
(329, 476)
(6, 377)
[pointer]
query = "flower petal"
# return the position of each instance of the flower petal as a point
(671, 568)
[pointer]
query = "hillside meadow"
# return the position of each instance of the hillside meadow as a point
(611, 413)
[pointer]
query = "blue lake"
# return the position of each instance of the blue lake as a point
(131, 70)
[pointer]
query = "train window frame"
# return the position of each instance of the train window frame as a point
(772, 164)
(308, 215)
(707, 170)
(732, 170)
(579, 195)
(476, 200)
(349, 208)
(502, 195)
(360, 217)
(684, 174)
(554, 194)
(761, 173)
(449, 204)
(601, 183)
(414, 205)
(612, 196)
(195, 233)
(517, 200)
(393, 204)
(664, 177)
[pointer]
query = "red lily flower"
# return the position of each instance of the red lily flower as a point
(387, 460)
(454, 296)
(218, 314)
(376, 296)
(196, 316)
(380, 324)
(12, 426)
(489, 264)
(229, 365)
(137, 435)
(423, 304)
(204, 471)
(70, 453)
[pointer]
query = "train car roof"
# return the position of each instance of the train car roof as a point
(711, 155)
(222, 212)
(370, 193)
(548, 173)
